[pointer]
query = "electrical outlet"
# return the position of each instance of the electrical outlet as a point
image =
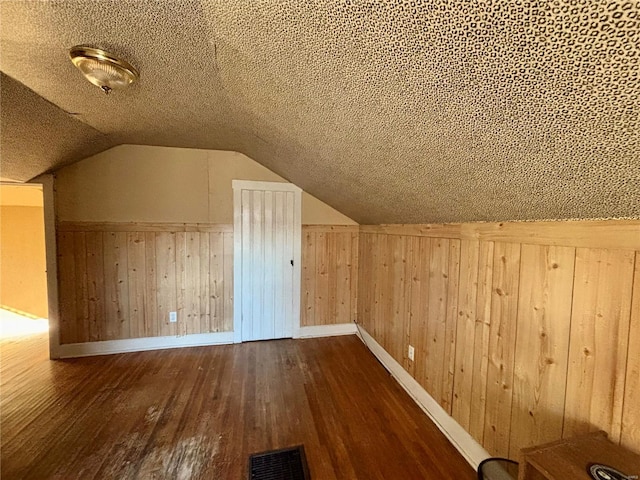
(411, 352)
(173, 317)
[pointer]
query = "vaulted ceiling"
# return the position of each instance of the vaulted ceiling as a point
(391, 111)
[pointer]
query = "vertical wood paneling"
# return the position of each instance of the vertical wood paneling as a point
(95, 286)
(397, 323)
(227, 288)
(343, 278)
(205, 283)
(599, 338)
(116, 285)
(376, 267)
(419, 305)
(630, 431)
(365, 288)
(328, 292)
(437, 317)
(412, 252)
(216, 281)
(192, 283)
(383, 295)
(542, 345)
(66, 288)
(504, 309)
(331, 265)
(123, 284)
(481, 343)
(82, 297)
(465, 332)
(167, 300)
(353, 276)
(181, 280)
(308, 288)
(322, 280)
(453, 276)
(151, 285)
(522, 323)
(139, 318)
(405, 306)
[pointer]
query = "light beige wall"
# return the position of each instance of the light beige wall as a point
(23, 284)
(23, 195)
(133, 183)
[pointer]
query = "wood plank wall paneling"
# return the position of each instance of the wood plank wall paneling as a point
(121, 281)
(524, 332)
(631, 412)
(599, 339)
(329, 280)
(614, 234)
(502, 339)
(465, 332)
(481, 342)
(543, 320)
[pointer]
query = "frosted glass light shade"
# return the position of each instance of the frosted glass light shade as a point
(103, 69)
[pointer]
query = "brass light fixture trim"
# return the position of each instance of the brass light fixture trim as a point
(105, 70)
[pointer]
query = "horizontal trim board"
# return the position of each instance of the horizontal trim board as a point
(617, 234)
(326, 330)
(471, 450)
(331, 228)
(143, 227)
(268, 186)
(109, 347)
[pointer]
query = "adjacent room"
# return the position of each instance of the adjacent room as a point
(331, 240)
(23, 281)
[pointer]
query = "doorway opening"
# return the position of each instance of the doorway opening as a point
(23, 277)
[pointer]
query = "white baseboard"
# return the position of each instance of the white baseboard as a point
(326, 330)
(468, 447)
(108, 347)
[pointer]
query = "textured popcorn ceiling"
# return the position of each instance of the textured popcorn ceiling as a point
(392, 112)
(36, 136)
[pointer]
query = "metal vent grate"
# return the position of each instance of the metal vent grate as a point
(285, 464)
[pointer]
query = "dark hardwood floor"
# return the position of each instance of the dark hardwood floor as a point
(199, 412)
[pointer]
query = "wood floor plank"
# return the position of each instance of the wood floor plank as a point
(199, 412)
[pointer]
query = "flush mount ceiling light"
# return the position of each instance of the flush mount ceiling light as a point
(103, 69)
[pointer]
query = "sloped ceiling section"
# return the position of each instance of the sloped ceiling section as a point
(37, 136)
(392, 112)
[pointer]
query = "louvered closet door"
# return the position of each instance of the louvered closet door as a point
(269, 242)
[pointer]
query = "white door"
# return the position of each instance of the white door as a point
(267, 237)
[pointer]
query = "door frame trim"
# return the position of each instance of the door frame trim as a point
(238, 186)
(46, 183)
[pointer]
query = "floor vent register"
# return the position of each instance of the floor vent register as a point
(285, 464)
